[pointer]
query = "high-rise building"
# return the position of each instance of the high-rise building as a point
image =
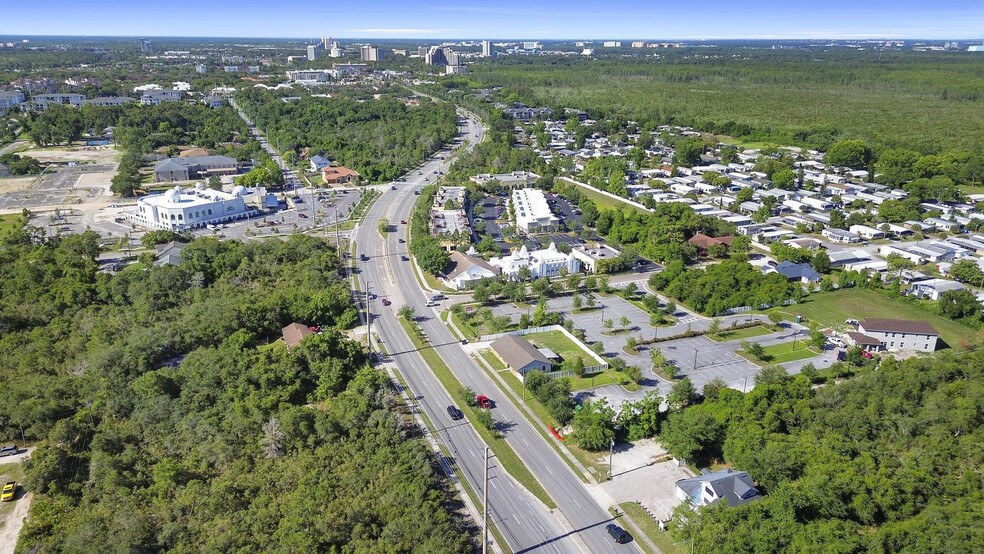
(146, 46)
(370, 53)
(487, 51)
(531, 45)
(326, 43)
(201, 68)
(335, 52)
(312, 52)
(436, 56)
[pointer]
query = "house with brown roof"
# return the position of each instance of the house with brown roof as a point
(340, 175)
(703, 242)
(520, 355)
(294, 332)
(899, 334)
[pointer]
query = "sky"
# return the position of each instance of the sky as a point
(504, 19)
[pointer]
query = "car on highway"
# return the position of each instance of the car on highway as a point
(302, 216)
(403, 222)
(620, 535)
(432, 304)
(393, 187)
(416, 193)
(484, 402)
(8, 450)
(404, 258)
(386, 302)
(402, 241)
(8, 491)
(455, 413)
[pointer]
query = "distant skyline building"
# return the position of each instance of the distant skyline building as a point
(326, 43)
(436, 55)
(370, 53)
(312, 52)
(487, 51)
(335, 52)
(146, 46)
(201, 68)
(531, 45)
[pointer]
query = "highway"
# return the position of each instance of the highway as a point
(526, 524)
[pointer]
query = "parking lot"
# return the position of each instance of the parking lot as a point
(59, 186)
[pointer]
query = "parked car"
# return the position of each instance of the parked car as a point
(8, 450)
(455, 413)
(836, 342)
(302, 216)
(432, 304)
(484, 402)
(8, 491)
(620, 535)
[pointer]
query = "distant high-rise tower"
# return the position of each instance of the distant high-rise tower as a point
(146, 46)
(201, 68)
(326, 43)
(312, 52)
(487, 51)
(436, 56)
(370, 53)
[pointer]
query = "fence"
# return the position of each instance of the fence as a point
(744, 309)
(606, 193)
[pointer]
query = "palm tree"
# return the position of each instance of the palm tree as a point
(406, 312)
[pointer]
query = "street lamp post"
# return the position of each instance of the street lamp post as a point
(695, 359)
(611, 453)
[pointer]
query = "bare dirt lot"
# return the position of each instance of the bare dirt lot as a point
(61, 185)
(90, 154)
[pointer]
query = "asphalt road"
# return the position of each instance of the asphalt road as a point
(526, 524)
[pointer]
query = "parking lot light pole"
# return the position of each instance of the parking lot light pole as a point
(695, 359)
(611, 452)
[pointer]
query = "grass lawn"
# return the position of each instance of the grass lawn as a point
(504, 453)
(494, 361)
(967, 189)
(561, 345)
(738, 334)
(783, 352)
(830, 309)
(663, 539)
(608, 203)
(11, 223)
(610, 377)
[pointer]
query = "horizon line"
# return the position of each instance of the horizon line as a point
(517, 39)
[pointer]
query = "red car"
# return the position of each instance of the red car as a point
(386, 302)
(484, 402)
(403, 222)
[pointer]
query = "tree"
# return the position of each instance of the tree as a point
(534, 380)
(383, 226)
(714, 327)
(682, 394)
(753, 349)
(713, 388)
(967, 271)
(540, 287)
(540, 314)
(784, 179)
(687, 152)
(624, 321)
(609, 325)
(576, 303)
(593, 425)
(273, 439)
(821, 261)
(573, 281)
(776, 318)
(853, 153)
(214, 182)
(817, 338)
(897, 166)
(693, 435)
(957, 304)
(407, 312)
(772, 375)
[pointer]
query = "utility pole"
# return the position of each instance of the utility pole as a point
(338, 243)
(485, 501)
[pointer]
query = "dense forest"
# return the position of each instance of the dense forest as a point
(887, 461)
(381, 138)
(169, 417)
(804, 98)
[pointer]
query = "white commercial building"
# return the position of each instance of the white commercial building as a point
(899, 334)
(541, 263)
(532, 212)
(178, 210)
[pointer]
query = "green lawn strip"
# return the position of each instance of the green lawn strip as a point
(831, 309)
(738, 334)
(782, 352)
(607, 202)
(471, 331)
(609, 377)
(543, 418)
(968, 189)
(504, 453)
(11, 223)
(461, 478)
(662, 539)
(493, 360)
